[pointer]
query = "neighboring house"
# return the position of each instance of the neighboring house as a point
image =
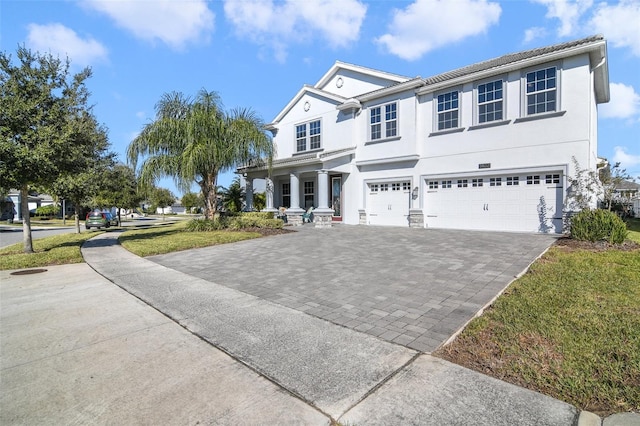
(628, 194)
(35, 201)
(488, 146)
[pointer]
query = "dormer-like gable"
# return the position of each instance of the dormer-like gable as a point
(305, 92)
(348, 80)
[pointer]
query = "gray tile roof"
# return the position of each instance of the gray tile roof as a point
(509, 59)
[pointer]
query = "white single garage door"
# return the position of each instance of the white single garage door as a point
(529, 202)
(388, 203)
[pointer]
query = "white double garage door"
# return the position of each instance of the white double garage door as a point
(529, 202)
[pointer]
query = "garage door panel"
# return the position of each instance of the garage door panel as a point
(517, 206)
(388, 203)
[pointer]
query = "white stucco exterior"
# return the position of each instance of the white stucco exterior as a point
(383, 153)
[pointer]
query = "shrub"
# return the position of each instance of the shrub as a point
(235, 222)
(252, 220)
(50, 210)
(262, 215)
(598, 225)
(204, 225)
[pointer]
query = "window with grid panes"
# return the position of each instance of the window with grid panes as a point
(463, 183)
(513, 180)
(552, 179)
(308, 136)
(383, 121)
(490, 101)
(448, 109)
(308, 193)
(495, 181)
(445, 184)
(533, 180)
(286, 195)
(541, 88)
(433, 184)
(476, 183)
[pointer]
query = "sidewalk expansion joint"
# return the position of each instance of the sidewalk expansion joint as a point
(383, 382)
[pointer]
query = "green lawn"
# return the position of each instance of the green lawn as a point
(54, 250)
(167, 239)
(634, 230)
(569, 328)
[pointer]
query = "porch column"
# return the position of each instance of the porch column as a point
(269, 196)
(322, 215)
(294, 213)
(248, 194)
(323, 189)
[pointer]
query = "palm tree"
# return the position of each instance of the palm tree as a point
(195, 140)
(233, 197)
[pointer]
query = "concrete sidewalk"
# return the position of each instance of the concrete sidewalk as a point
(77, 349)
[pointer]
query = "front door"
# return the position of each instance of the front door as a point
(336, 197)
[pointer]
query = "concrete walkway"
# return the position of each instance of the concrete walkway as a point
(76, 349)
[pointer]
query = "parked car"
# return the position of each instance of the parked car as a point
(100, 220)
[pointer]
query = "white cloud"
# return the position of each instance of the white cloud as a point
(568, 12)
(534, 33)
(624, 103)
(64, 42)
(619, 23)
(174, 23)
(279, 25)
(625, 159)
(428, 24)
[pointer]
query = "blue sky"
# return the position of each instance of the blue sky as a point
(259, 53)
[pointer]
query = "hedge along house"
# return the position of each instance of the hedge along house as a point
(488, 146)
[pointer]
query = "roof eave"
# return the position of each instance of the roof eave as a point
(407, 85)
(589, 48)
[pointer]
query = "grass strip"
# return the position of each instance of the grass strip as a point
(55, 250)
(569, 328)
(167, 239)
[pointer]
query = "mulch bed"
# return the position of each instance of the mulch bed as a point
(572, 245)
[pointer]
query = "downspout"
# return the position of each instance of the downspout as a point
(603, 60)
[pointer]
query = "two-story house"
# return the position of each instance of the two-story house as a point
(488, 146)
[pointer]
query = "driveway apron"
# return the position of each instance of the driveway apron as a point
(332, 368)
(413, 287)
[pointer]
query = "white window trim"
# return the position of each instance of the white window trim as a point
(459, 127)
(523, 92)
(383, 123)
(476, 104)
(307, 124)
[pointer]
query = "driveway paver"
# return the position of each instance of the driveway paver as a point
(413, 287)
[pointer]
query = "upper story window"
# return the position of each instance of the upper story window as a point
(490, 105)
(383, 121)
(541, 91)
(308, 136)
(448, 110)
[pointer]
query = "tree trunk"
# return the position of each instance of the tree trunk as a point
(210, 195)
(77, 221)
(26, 219)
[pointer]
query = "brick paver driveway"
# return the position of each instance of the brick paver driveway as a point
(414, 287)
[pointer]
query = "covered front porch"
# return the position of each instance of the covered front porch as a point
(302, 189)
